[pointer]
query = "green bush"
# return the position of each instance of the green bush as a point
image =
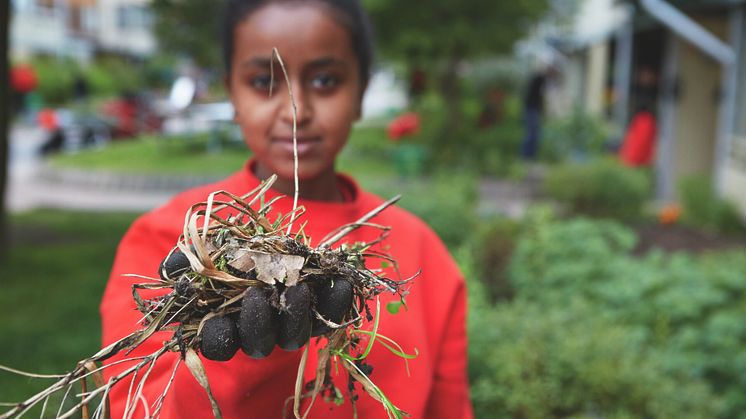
(703, 208)
(56, 77)
(445, 202)
(535, 361)
(113, 76)
(599, 188)
(496, 241)
(576, 137)
(687, 310)
(491, 151)
(494, 150)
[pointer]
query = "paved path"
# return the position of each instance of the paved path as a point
(31, 185)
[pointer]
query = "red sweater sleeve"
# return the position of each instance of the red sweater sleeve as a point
(139, 252)
(449, 396)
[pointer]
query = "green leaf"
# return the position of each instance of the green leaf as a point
(394, 306)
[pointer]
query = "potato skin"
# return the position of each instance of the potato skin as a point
(295, 323)
(219, 338)
(257, 323)
(333, 302)
(174, 265)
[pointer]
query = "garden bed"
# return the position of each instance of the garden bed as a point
(677, 237)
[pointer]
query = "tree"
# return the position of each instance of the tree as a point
(190, 28)
(447, 28)
(4, 116)
(443, 33)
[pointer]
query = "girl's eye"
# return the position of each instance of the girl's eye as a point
(324, 81)
(261, 82)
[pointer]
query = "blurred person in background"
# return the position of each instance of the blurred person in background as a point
(533, 110)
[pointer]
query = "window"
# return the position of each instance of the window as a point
(133, 17)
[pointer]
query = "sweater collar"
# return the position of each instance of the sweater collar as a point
(322, 216)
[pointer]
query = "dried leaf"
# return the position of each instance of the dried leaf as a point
(275, 267)
(242, 261)
(198, 371)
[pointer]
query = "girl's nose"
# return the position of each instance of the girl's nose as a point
(303, 105)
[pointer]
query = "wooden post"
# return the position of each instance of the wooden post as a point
(4, 118)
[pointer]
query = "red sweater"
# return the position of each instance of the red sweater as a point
(245, 387)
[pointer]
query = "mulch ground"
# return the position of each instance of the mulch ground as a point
(672, 238)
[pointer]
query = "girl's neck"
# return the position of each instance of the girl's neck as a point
(324, 187)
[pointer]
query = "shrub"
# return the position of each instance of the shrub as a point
(535, 361)
(494, 150)
(688, 310)
(600, 188)
(445, 202)
(495, 245)
(703, 208)
(56, 77)
(577, 137)
(113, 76)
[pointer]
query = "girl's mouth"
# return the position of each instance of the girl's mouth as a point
(305, 144)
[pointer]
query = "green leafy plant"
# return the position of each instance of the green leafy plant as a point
(112, 76)
(578, 136)
(600, 187)
(703, 208)
(686, 311)
(56, 77)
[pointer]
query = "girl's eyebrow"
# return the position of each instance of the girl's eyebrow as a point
(264, 62)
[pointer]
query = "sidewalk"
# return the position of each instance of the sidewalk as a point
(509, 198)
(32, 184)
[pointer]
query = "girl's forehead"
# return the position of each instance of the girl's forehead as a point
(297, 30)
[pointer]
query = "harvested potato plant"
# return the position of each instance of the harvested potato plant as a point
(235, 280)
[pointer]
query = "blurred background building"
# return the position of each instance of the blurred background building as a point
(81, 28)
(684, 61)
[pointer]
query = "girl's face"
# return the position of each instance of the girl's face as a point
(325, 80)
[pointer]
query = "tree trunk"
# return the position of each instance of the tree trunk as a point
(4, 118)
(448, 143)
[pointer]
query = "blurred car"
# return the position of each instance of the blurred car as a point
(72, 130)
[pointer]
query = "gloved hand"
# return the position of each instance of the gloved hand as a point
(270, 314)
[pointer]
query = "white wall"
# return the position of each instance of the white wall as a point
(36, 29)
(112, 36)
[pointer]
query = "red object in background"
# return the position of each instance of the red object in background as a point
(638, 146)
(23, 78)
(124, 111)
(405, 124)
(47, 118)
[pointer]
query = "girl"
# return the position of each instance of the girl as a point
(326, 48)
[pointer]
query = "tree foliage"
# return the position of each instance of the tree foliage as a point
(442, 28)
(190, 28)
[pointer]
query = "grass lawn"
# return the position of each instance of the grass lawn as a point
(158, 155)
(366, 155)
(52, 283)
